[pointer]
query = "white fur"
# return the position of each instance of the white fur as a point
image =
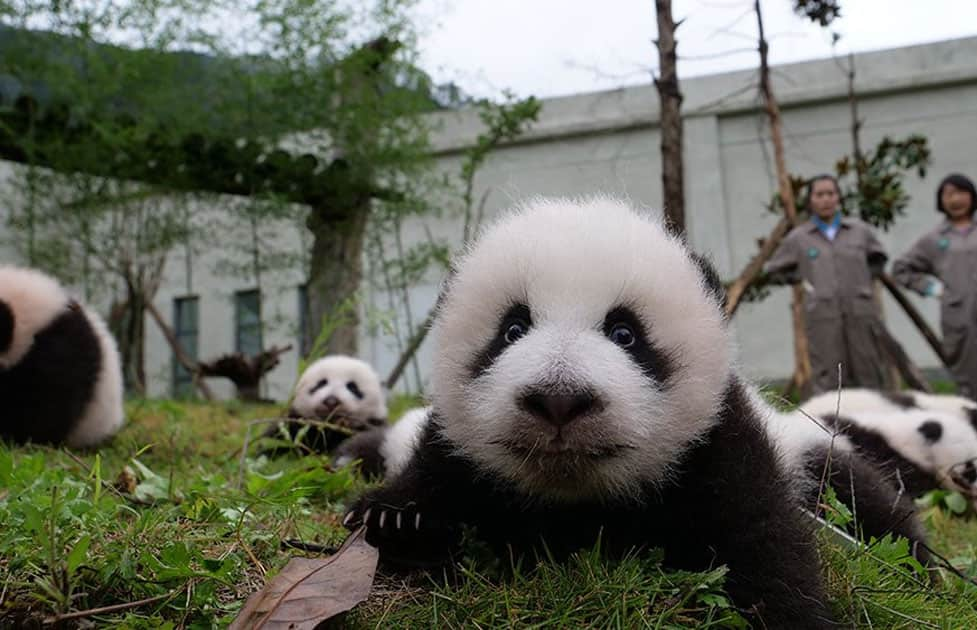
(35, 300)
(796, 433)
(105, 413)
(339, 370)
(401, 440)
(856, 400)
(571, 261)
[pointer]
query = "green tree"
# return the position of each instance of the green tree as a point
(305, 104)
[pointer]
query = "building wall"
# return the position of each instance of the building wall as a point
(608, 142)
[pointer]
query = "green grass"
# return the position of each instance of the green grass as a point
(170, 516)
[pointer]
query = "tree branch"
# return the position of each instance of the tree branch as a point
(188, 364)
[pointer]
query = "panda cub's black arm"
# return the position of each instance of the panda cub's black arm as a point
(415, 517)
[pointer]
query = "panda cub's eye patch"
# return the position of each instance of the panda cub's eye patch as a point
(513, 325)
(623, 328)
(354, 389)
(319, 385)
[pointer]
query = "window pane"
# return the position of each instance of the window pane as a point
(248, 322)
(186, 322)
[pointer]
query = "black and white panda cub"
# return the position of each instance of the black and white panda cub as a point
(341, 390)
(926, 440)
(815, 453)
(60, 378)
(583, 389)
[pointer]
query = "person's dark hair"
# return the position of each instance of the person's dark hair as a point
(957, 181)
(821, 178)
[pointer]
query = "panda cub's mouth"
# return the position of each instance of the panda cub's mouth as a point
(558, 448)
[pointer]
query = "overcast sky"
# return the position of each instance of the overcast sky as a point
(554, 47)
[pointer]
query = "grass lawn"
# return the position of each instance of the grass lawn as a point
(170, 517)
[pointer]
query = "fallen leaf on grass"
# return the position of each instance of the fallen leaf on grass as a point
(309, 591)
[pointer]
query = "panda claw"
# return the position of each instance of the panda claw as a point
(398, 520)
(366, 516)
(417, 522)
(383, 518)
(349, 518)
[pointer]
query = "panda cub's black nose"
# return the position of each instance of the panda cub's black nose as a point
(557, 409)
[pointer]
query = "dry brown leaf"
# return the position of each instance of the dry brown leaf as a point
(309, 591)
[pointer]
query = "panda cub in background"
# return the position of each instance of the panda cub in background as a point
(60, 377)
(338, 389)
(582, 389)
(927, 441)
(814, 452)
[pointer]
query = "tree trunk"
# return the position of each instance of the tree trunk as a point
(673, 186)
(924, 329)
(127, 324)
(335, 274)
(737, 288)
(802, 361)
(188, 364)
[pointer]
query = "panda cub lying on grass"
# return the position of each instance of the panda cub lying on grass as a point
(342, 391)
(583, 389)
(925, 441)
(60, 379)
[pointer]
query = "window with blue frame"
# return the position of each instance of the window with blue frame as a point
(247, 322)
(186, 328)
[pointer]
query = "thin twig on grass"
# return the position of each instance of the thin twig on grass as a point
(81, 614)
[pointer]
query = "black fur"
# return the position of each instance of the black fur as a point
(905, 474)
(6, 326)
(878, 507)
(654, 362)
(972, 413)
(484, 360)
(728, 503)
(931, 430)
(365, 447)
(900, 399)
(45, 394)
(713, 283)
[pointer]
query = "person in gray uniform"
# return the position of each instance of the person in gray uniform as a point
(835, 258)
(943, 264)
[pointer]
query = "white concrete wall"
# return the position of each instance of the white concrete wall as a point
(608, 142)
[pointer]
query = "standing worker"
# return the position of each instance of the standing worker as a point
(943, 264)
(835, 258)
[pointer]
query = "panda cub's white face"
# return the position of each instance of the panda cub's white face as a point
(340, 387)
(942, 443)
(579, 351)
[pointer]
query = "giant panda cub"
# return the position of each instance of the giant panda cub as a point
(816, 453)
(926, 440)
(60, 379)
(339, 390)
(583, 390)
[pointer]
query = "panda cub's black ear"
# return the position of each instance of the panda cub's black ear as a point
(972, 412)
(931, 430)
(711, 277)
(6, 326)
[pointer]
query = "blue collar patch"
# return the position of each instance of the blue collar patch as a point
(812, 252)
(943, 243)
